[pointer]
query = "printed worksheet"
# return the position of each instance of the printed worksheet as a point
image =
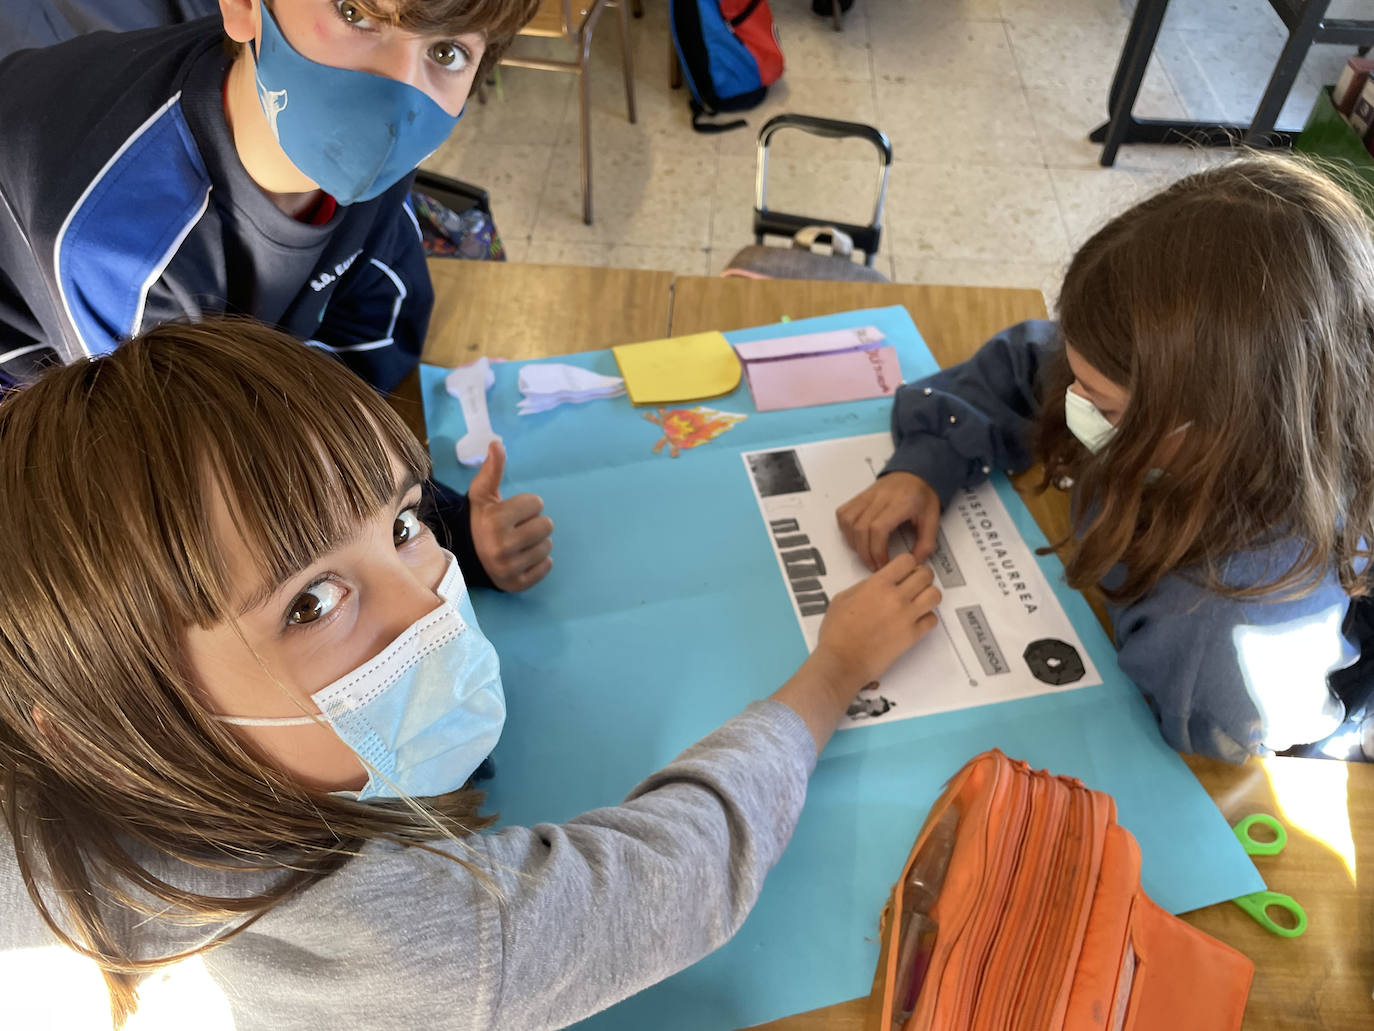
(1002, 632)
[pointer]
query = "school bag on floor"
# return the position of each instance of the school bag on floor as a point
(1020, 906)
(729, 53)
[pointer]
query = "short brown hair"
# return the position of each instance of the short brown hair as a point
(1238, 303)
(497, 21)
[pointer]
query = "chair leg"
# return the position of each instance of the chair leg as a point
(837, 14)
(584, 92)
(625, 55)
(674, 67)
(638, 7)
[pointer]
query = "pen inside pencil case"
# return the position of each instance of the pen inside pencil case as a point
(917, 927)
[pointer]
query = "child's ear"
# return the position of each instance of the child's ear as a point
(240, 19)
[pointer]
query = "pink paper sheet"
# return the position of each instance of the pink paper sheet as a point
(824, 379)
(819, 369)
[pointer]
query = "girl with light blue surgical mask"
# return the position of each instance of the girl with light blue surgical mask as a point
(240, 708)
(1205, 393)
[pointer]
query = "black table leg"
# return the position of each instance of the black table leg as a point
(1300, 39)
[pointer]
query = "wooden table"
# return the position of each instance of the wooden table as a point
(1321, 980)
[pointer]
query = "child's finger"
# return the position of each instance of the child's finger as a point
(879, 532)
(899, 569)
(520, 559)
(532, 575)
(920, 579)
(925, 625)
(527, 535)
(849, 516)
(846, 526)
(927, 534)
(926, 599)
(486, 485)
(520, 508)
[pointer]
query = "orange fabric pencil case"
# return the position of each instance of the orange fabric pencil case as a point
(1020, 907)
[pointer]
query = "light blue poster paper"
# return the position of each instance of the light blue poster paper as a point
(665, 615)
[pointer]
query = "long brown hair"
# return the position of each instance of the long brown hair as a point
(106, 560)
(1237, 308)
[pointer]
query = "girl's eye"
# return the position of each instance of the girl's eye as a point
(315, 603)
(350, 13)
(449, 55)
(406, 527)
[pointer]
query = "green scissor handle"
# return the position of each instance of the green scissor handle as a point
(1259, 904)
(1261, 848)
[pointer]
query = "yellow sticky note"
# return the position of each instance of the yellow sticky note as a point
(689, 368)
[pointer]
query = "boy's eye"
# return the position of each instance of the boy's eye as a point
(447, 54)
(350, 13)
(406, 527)
(316, 602)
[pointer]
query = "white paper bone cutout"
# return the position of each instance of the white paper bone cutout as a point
(469, 384)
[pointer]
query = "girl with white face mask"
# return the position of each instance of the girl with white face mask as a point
(1206, 391)
(242, 690)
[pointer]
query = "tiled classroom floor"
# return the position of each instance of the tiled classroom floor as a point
(987, 103)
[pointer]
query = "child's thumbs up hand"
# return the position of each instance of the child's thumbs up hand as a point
(512, 536)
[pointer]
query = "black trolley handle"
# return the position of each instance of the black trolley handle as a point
(777, 223)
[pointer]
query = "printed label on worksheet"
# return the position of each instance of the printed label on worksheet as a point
(1002, 632)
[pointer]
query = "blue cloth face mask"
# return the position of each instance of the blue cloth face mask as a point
(354, 133)
(425, 712)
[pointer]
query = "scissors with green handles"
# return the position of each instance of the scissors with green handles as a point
(1259, 903)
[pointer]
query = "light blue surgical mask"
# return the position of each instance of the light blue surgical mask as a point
(425, 712)
(354, 133)
(1086, 422)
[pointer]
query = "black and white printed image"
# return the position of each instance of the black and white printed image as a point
(1053, 661)
(777, 472)
(869, 704)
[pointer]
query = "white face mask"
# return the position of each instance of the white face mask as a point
(425, 712)
(1086, 423)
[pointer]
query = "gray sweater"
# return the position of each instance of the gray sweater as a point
(592, 911)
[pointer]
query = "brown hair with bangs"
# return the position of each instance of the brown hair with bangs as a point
(1237, 309)
(107, 558)
(496, 21)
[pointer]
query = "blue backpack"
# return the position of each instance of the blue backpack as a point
(729, 53)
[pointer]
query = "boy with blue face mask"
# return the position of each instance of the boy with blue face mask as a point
(154, 175)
